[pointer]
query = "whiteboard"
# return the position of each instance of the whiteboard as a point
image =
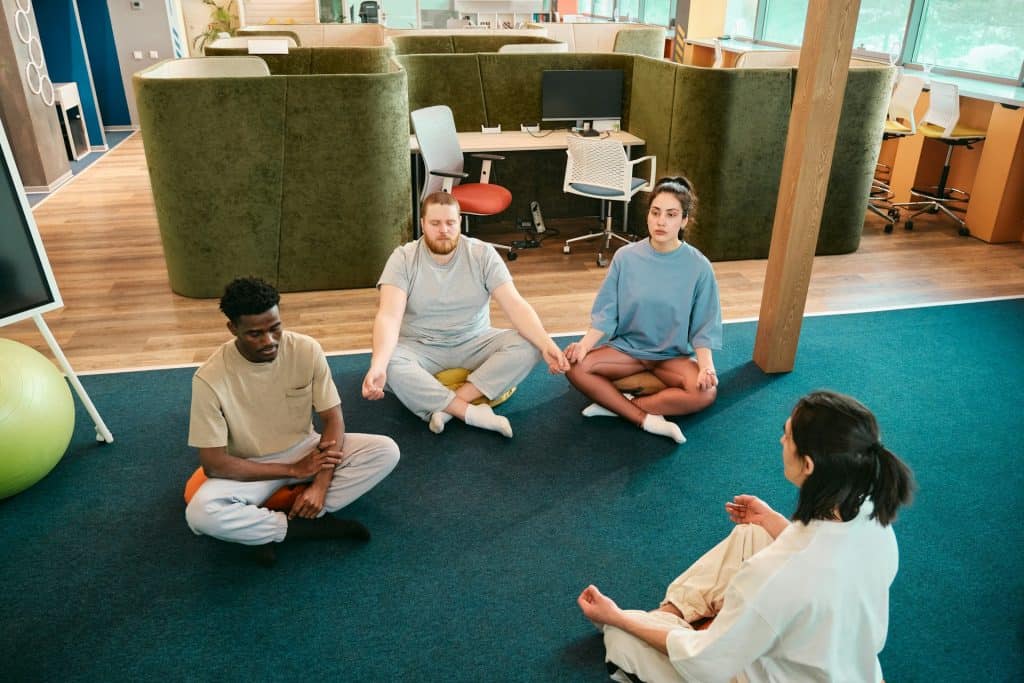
(27, 287)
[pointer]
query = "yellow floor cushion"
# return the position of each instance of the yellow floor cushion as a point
(454, 378)
(640, 384)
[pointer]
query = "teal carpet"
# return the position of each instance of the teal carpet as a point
(481, 544)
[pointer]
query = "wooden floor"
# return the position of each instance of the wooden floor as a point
(101, 235)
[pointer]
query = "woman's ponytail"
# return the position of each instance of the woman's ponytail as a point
(893, 486)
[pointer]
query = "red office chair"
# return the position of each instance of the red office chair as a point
(442, 157)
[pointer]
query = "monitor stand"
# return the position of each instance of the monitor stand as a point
(586, 129)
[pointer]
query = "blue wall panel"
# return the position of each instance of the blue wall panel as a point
(106, 69)
(66, 59)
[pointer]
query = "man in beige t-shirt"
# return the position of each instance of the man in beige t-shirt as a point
(252, 405)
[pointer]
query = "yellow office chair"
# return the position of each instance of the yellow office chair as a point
(899, 122)
(442, 157)
(942, 122)
(599, 168)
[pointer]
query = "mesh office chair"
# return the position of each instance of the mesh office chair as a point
(899, 122)
(369, 12)
(599, 168)
(442, 157)
(942, 122)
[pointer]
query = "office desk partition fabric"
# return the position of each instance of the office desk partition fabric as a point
(252, 174)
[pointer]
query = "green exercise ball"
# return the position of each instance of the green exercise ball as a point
(37, 417)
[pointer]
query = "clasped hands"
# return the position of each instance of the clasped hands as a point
(321, 457)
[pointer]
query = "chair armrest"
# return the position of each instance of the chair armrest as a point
(653, 171)
(450, 174)
(490, 157)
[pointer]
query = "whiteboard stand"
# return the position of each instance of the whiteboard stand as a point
(20, 244)
(102, 433)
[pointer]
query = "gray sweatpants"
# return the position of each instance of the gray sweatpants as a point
(497, 360)
(230, 510)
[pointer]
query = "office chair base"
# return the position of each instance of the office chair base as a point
(932, 207)
(947, 194)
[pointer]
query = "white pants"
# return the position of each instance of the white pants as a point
(230, 510)
(697, 593)
(498, 360)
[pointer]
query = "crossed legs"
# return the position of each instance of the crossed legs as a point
(696, 594)
(498, 359)
(595, 375)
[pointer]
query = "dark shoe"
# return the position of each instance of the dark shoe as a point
(325, 527)
(265, 555)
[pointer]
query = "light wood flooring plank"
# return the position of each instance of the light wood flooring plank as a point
(102, 238)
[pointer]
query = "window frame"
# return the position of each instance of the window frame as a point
(908, 46)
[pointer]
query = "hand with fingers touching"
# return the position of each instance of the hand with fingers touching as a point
(707, 378)
(747, 509)
(321, 457)
(576, 352)
(557, 362)
(373, 384)
(597, 607)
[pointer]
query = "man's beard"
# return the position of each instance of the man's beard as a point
(442, 247)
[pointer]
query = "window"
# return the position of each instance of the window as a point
(880, 26)
(784, 21)
(983, 36)
(740, 16)
(659, 11)
(602, 8)
(980, 36)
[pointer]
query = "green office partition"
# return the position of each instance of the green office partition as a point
(647, 42)
(297, 61)
(512, 82)
(374, 59)
(214, 152)
(346, 203)
(474, 43)
(728, 135)
(453, 80)
(858, 142)
(423, 44)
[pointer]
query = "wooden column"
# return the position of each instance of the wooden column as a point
(806, 166)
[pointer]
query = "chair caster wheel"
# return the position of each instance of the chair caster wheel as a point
(512, 256)
(888, 228)
(909, 225)
(964, 232)
(894, 215)
(601, 260)
(566, 249)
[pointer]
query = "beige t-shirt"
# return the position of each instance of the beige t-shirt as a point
(260, 408)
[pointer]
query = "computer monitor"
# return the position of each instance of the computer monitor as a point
(581, 95)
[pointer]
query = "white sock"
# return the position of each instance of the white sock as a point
(483, 417)
(438, 420)
(598, 410)
(656, 424)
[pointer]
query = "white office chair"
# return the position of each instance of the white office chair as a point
(899, 122)
(942, 122)
(599, 168)
(442, 157)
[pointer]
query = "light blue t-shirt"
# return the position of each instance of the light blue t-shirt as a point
(447, 304)
(656, 306)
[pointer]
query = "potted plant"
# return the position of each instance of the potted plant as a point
(223, 19)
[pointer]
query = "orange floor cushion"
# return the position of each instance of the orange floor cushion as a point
(454, 378)
(281, 500)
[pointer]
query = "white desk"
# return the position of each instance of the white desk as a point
(65, 96)
(516, 141)
(511, 141)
